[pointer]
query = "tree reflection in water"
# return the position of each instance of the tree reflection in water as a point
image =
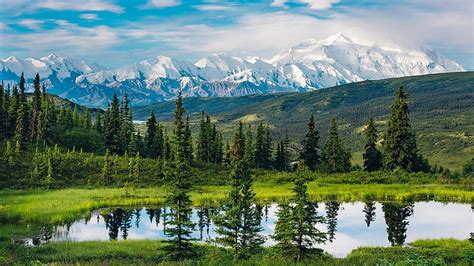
(396, 215)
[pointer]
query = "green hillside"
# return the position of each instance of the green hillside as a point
(440, 106)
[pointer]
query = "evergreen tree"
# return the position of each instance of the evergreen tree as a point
(106, 172)
(400, 149)
(334, 157)
(263, 150)
(46, 118)
(20, 131)
(295, 230)
(188, 142)
(112, 131)
(203, 138)
(13, 111)
(249, 147)
(22, 108)
(126, 123)
(3, 114)
(372, 156)
(282, 160)
(49, 179)
(134, 168)
(310, 153)
(8, 155)
(5, 125)
(98, 123)
(179, 226)
(238, 220)
(36, 109)
(154, 137)
(22, 87)
(86, 120)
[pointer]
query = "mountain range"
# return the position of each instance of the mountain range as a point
(309, 65)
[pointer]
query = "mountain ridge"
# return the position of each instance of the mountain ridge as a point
(309, 65)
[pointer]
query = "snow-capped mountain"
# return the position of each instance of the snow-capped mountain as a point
(57, 73)
(309, 65)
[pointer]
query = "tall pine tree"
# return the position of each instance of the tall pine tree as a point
(179, 225)
(36, 109)
(372, 156)
(400, 149)
(334, 157)
(112, 131)
(296, 230)
(310, 153)
(238, 219)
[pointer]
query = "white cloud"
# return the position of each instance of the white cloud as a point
(213, 7)
(163, 3)
(279, 3)
(80, 5)
(32, 24)
(320, 4)
(313, 4)
(89, 17)
(69, 39)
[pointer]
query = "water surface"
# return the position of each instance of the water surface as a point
(349, 225)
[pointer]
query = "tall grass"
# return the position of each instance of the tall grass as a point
(57, 206)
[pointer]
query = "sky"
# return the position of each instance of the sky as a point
(118, 32)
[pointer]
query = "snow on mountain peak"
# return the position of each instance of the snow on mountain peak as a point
(309, 65)
(337, 38)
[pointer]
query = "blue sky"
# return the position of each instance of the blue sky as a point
(118, 32)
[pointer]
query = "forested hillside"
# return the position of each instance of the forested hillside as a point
(440, 107)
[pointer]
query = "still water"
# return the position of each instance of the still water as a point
(349, 225)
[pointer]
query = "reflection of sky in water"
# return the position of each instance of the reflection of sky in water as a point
(430, 220)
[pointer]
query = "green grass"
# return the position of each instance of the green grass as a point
(57, 206)
(133, 252)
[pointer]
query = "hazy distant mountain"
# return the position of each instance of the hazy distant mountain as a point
(310, 65)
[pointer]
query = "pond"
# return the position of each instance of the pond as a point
(349, 225)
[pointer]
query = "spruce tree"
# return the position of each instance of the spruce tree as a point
(46, 118)
(36, 109)
(112, 132)
(49, 179)
(106, 172)
(3, 114)
(310, 153)
(188, 142)
(179, 226)
(4, 127)
(203, 138)
(335, 158)
(20, 131)
(134, 168)
(126, 123)
(98, 123)
(238, 219)
(295, 230)
(372, 156)
(150, 138)
(400, 149)
(13, 111)
(260, 147)
(249, 147)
